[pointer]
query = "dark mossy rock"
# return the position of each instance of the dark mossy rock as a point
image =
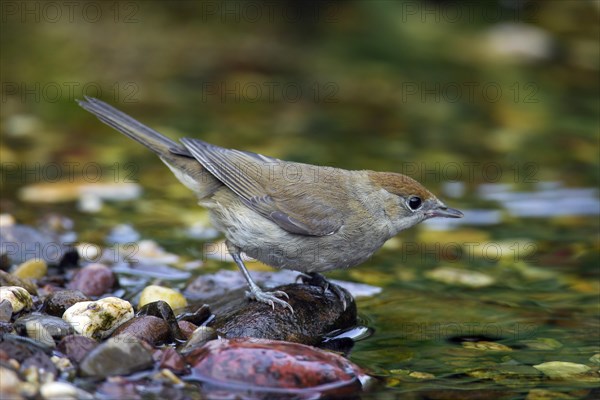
(316, 313)
(56, 303)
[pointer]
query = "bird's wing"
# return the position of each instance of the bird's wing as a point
(271, 188)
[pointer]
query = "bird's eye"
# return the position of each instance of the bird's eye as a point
(414, 202)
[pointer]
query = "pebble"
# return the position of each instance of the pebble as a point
(98, 319)
(76, 347)
(421, 375)
(93, 280)
(11, 384)
(595, 359)
(56, 303)
(122, 234)
(41, 244)
(63, 391)
(43, 328)
(7, 220)
(33, 268)
(6, 310)
(562, 369)
(154, 293)
(19, 298)
(149, 252)
(542, 344)
(486, 346)
(116, 357)
(152, 329)
(172, 360)
(166, 375)
(162, 310)
(460, 277)
(544, 394)
(7, 279)
(198, 338)
(88, 251)
(66, 191)
(519, 41)
(187, 328)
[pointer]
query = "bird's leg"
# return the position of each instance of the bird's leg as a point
(316, 279)
(256, 293)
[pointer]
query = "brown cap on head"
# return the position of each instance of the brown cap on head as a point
(399, 184)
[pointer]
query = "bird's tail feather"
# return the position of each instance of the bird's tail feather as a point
(127, 125)
(185, 167)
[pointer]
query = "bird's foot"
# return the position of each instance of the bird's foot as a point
(270, 298)
(316, 279)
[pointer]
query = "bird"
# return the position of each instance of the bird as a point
(286, 214)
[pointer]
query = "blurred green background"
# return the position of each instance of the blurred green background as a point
(497, 92)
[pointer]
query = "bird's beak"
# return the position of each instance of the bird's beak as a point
(445, 212)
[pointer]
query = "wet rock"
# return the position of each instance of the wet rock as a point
(56, 303)
(172, 360)
(198, 338)
(63, 391)
(76, 347)
(19, 298)
(315, 315)
(32, 357)
(31, 269)
(20, 348)
(149, 252)
(116, 357)
(88, 251)
(460, 277)
(186, 328)
(6, 310)
(66, 191)
(12, 385)
(93, 280)
(7, 279)
(562, 369)
(544, 394)
(151, 329)
(162, 310)
(486, 346)
(198, 317)
(17, 242)
(595, 359)
(98, 319)
(122, 234)
(154, 293)
(5, 327)
(519, 41)
(118, 388)
(43, 328)
(268, 367)
(421, 375)
(542, 344)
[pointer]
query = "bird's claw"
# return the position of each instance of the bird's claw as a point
(316, 279)
(270, 298)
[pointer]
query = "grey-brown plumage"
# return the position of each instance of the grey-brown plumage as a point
(288, 215)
